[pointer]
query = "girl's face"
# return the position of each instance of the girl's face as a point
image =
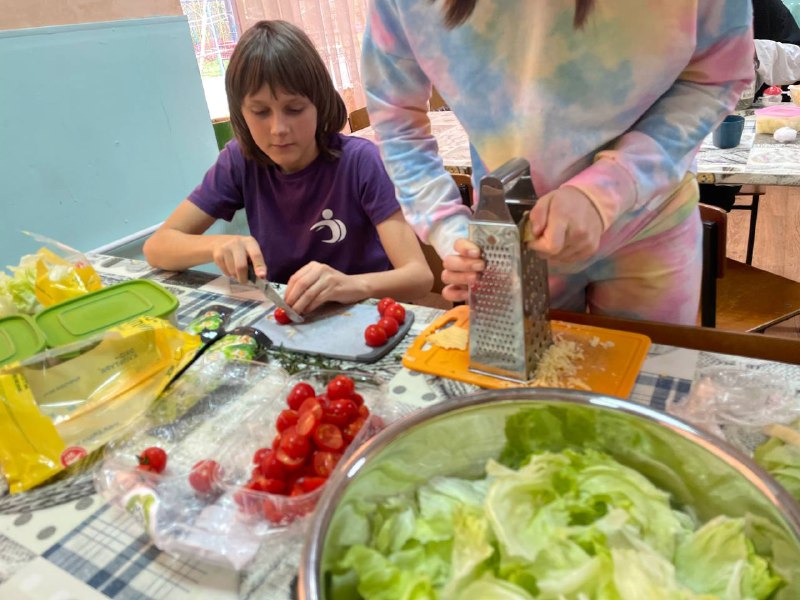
(283, 127)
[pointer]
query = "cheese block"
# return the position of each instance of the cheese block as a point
(772, 118)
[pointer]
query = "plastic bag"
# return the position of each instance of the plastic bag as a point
(62, 272)
(61, 405)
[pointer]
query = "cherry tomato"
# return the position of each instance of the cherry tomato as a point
(259, 455)
(397, 312)
(358, 399)
(153, 459)
(389, 325)
(272, 511)
(287, 461)
(328, 437)
(299, 392)
(352, 429)
(384, 304)
(294, 444)
(281, 317)
(271, 467)
(363, 412)
(203, 476)
(313, 406)
(307, 422)
(249, 503)
(341, 412)
(287, 418)
(276, 442)
(324, 462)
(265, 484)
(309, 484)
(340, 386)
(375, 336)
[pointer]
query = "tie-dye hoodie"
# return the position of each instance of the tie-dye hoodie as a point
(616, 109)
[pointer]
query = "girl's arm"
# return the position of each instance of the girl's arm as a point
(411, 278)
(180, 244)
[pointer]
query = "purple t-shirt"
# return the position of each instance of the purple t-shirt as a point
(327, 212)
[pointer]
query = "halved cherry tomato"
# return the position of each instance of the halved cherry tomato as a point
(152, 459)
(272, 512)
(341, 412)
(203, 476)
(287, 461)
(328, 437)
(384, 304)
(281, 317)
(358, 399)
(299, 392)
(309, 484)
(276, 442)
(389, 325)
(249, 503)
(324, 462)
(313, 406)
(363, 412)
(265, 484)
(340, 386)
(375, 336)
(259, 455)
(397, 312)
(271, 467)
(352, 429)
(307, 422)
(294, 444)
(287, 418)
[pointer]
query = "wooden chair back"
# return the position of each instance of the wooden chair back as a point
(437, 102)
(358, 119)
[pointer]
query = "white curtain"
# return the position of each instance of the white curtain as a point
(335, 26)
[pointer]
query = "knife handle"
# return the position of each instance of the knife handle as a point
(251, 273)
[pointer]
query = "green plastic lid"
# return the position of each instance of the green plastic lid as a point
(19, 338)
(93, 313)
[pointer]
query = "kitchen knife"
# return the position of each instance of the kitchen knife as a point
(271, 295)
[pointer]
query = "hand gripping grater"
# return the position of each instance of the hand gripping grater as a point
(508, 326)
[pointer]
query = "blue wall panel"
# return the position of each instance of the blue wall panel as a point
(104, 129)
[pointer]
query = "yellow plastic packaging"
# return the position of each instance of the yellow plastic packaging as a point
(59, 279)
(64, 404)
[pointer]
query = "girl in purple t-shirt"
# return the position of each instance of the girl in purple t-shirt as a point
(321, 209)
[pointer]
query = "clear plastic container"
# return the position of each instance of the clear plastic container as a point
(222, 411)
(265, 510)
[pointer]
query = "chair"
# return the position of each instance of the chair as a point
(436, 101)
(736, 296)
(358, 119)
(755, 192)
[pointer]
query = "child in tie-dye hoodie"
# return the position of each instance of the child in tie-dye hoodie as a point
(608, 100)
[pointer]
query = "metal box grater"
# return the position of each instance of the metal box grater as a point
(508, 326)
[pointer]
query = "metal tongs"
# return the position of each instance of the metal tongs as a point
(509, 305)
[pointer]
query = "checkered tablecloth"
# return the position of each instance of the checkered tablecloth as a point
(62, 541)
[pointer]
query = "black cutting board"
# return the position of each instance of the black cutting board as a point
(335, 331)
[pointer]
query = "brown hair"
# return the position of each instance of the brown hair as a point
(283, 57)
(458, 11)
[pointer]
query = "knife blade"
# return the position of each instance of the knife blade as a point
(272, 295)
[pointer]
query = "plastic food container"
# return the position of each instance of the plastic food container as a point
(702, 474)
(20, 338)
(267, 510)
(224, 411)
(93, 313)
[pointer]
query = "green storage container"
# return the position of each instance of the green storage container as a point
(93, 313)
(19, 338)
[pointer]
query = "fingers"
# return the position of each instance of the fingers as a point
(455, 293)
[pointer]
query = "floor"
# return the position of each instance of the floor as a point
(777, 246)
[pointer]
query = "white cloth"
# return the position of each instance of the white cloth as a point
(776, 63)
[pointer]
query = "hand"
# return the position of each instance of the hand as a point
(316, 283)
(566, 226)
(461, 270)
(232, 252)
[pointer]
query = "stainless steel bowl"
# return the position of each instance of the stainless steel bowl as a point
(703, 473)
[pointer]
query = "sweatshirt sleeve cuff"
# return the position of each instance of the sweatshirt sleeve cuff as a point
(444, 234)
(609, 186)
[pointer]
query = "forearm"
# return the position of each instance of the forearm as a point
(405, 284)
(174, 250)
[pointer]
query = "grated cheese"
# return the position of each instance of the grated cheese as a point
(558, 366)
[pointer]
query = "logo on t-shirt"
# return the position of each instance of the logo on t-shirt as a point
(336, 226)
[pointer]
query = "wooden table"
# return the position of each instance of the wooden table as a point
(66, 541)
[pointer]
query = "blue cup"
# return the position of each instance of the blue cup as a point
(729, 132)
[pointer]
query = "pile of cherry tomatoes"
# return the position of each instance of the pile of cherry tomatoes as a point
(312, 434)
(392, 316)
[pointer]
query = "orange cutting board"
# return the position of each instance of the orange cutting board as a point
(610, 365)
